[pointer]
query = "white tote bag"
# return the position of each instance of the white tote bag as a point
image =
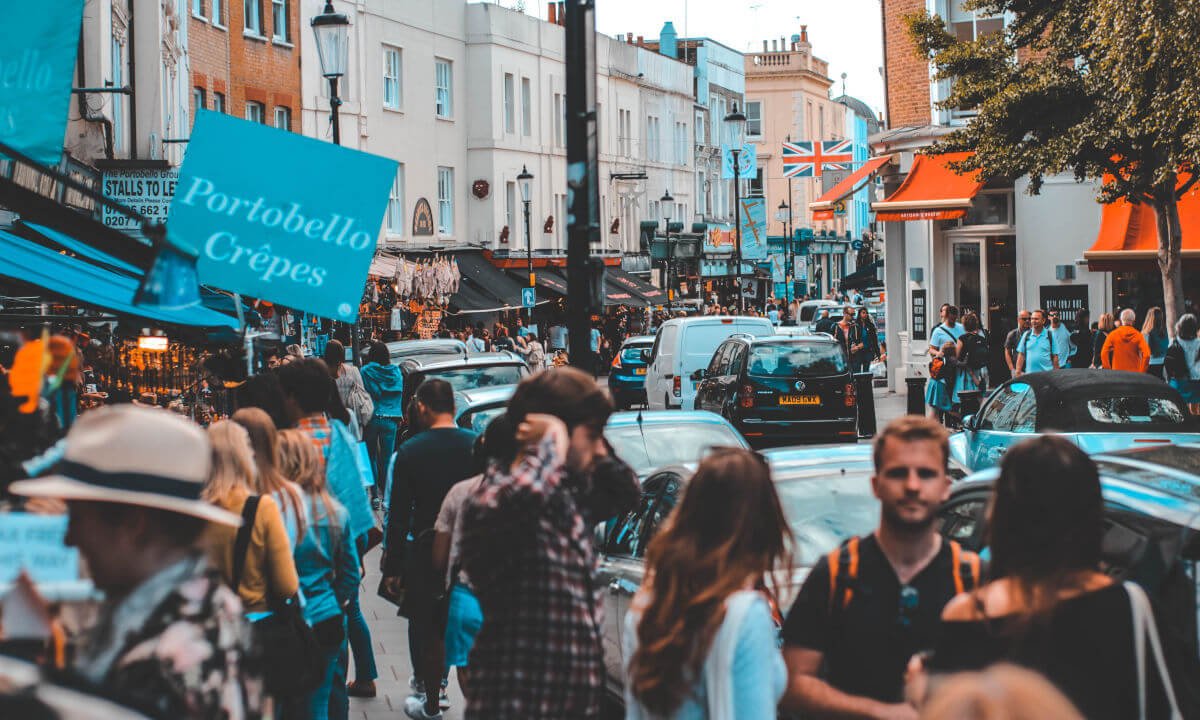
(1143, 627)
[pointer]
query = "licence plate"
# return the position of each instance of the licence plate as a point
(639, 371)
(799, 399)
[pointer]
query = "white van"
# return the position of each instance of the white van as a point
(685, 345)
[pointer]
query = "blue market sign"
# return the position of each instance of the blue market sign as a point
(528, 297)
(278, 216)
(38, 41)
(754, 228)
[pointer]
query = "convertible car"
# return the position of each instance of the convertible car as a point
(1098, 410)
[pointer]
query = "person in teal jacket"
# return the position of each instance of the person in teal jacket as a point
(385, 384)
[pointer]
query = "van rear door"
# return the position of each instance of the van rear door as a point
(701, 339)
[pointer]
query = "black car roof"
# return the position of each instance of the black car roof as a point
(1061, 393)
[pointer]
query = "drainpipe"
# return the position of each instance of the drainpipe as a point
(85, 112)
(133, 148)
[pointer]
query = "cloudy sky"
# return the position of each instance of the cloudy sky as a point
(847, 33)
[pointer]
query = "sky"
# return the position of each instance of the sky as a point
(846, 33)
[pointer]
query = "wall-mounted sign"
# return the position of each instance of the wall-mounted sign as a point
(147, 190)
(422, 218)
(920, 313)
(747, 162)
(266, 229)
(38, 42)
(1066, 300)
(428, 323)
(34, 543)
(754, 228)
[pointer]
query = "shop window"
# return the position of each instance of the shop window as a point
(991, 208)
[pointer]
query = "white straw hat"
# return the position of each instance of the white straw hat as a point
(133, 456)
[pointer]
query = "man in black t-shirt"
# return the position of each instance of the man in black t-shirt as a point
(427, 465)
(1013, 338)
(869, 606)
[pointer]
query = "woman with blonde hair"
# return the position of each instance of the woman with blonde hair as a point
(264, 441)
(327, 563)
(266, 575)
(701, 639)
(1105, 324)
(1154, 329)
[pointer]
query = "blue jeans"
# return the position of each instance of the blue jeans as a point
(360, 643)
(329, 700)
(380, 436)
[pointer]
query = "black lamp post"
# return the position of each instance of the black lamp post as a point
(667, 203)
(736, 124)
(525, 180)
(785, 216)
(332, 31)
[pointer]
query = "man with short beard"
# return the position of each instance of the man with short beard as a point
(870, 605)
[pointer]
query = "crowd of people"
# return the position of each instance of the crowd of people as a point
(960, 354)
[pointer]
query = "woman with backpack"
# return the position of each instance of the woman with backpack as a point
(1050, 607)
(973, 354)
(1105, 324)
(327, 563)
(1182, 362)
(701, 639)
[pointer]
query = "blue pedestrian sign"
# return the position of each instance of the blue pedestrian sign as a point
(528, 297)
(856, 245)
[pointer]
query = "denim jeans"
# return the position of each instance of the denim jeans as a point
(380, 436)
(360, 643)
(329, 700)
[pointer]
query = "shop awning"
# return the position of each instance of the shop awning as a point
(92, 285)
(545, 277)
(384, 266)
(862, 278)
(932, 191)
(823, 208)
(1129, 234)
(619, 277)
(489, 279)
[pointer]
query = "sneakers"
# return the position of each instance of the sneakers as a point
(361, 689)
(414, 707)
(444, 699)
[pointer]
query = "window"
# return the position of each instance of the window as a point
(653, 139)
(754, 118)
(443, 77)
(701, 195)
(510, 208)
(391, 78)
(117, 52)
(526, 108)
(625, 132)
(1002, 409)
(283, 118)
(218, 102)
(559, 116)
(197, 99)
(198, 8)
(445, 189)
(395, 207)
(1135, 410)
(279, 20)
(253, 17)
(217, 13)
(699, 127)
(792, 359)
(254, 111)
(510, 103)
(681, 143)
(756, 184)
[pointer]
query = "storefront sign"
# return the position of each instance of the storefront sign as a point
(428, 323)
(422, 218)
(747, 162)
(1066, 300)
(920, 313)
(801, 268)
(35, 543)
(38, 42)
(299, 230)
(147, 190)
(754, 228)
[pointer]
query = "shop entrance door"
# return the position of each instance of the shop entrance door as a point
(984, 277)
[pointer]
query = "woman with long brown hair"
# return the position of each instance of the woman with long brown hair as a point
(702, 641)
(264, 441)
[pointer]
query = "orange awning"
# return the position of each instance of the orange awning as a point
(932, 191)
(823, 208)
(1129, 233)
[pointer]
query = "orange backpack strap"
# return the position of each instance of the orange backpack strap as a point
(851, 571)
(843, 569)
(834, 559)
(961, 560)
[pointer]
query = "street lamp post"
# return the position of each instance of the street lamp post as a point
(785, 216)
(736, 124)
(526, 179)
(667, 203)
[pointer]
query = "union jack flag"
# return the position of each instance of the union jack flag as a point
(808, 159)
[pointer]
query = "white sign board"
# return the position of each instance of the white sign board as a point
(147, 190)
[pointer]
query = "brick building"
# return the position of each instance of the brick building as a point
(245, 59)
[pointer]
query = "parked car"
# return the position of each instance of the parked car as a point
(627, 376)
(463, 372)
(475, 408)
(1152, 517)
(683, 346)
(399, 350)
(1098, 410)
(781, 388)
(651, 439)
(826, 497)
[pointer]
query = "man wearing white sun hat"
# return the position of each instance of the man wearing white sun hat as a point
(170, 639)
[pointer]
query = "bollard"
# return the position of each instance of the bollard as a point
(916, 395)
(968, 401)
(864, 388)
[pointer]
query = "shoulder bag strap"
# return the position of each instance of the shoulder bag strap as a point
(1143, 626)
(242, 543)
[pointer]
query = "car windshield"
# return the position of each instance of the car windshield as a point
(825, 511)
(480, 418)
(668, 444)
(632, 353)
(1135, 411)
(791, 359)
(808, 312)
(469, 378)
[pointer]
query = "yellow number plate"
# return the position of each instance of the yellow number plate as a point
(799, 399)
(639, 371)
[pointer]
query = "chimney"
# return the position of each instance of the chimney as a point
(668, 40)
(804, 33)
(774, 46)
(641, 41)
(628, 38)
(764, 46)
(562, 14)
(552, 13)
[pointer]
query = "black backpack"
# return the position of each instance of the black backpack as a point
(975, 347)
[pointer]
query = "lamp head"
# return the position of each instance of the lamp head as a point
(332, 32)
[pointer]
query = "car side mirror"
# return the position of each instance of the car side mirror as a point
(969, 422)
(645, 355)
(699, 374)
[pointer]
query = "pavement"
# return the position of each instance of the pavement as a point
(389, 633)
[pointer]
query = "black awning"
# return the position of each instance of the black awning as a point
(862, 278)
(471, 298)
(545, 277)
(490, 280)
(650, 295)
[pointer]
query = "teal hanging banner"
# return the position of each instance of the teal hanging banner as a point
(754, 228)
(278, 216)
(38, 41)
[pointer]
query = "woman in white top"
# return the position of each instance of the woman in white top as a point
(1182, 361)
(701, 640)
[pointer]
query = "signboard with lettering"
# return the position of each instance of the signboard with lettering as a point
(422, 218)
(1066, 300)
(428, 323)
(35, 543)
(38, 42)
(147, 190)
(920, 314)
(266, 229)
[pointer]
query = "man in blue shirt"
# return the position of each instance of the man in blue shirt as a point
(1036, 349)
